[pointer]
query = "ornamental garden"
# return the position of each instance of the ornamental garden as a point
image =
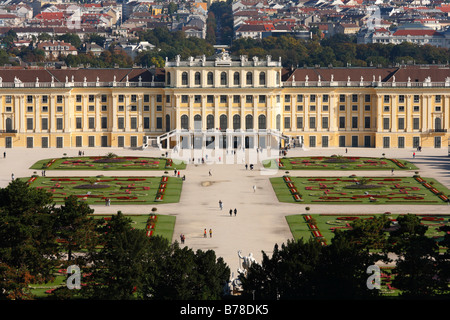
(108, 162)
(360, 190)
(322, 227)
(338, 162)
(111, 190)
(325, 225)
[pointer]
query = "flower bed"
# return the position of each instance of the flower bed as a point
(117, 189)
(432, 189)
(336, 162)
(383, 190)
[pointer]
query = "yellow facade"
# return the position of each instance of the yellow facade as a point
(400, 107)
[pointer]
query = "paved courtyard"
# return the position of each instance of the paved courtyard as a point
(260, 221)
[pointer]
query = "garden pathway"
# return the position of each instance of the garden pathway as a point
(260, 221)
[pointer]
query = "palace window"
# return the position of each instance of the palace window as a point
(184, 79)
(236, 79)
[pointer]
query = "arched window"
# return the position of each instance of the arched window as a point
(209, 121)
(236, 121)
(437, 123)
(167, 122)
(249, 78)
(210, 79)
(197, 122)
(184, 122)
(184, 79)
(248, 121)
(236, 78)
(223, 78)
(278, 122)
(197, 79)
(262, 79)
(168, 78)
(262, 122)
(223, 122)
(8, 124)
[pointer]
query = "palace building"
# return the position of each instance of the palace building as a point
(230, 101)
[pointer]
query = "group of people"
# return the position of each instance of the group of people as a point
(231, 210)
(205, 234)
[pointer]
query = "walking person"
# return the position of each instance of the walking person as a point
(414, 155)
(210, 233)
(204, 233)
(231, 212)
(12, 176)
(235, 211)
(210, 174)
(220, 204)
(254, 188)
(4, 154)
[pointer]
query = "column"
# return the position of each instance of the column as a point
(255, 112)
(242, 112)
(216, 113)
(306, 113)
(379, 113)
(152, 113)
(126, 115)
(114, 113)
(98, 124)
(191, 111)
(293, 111)
(361, 112)
(140, 119)
(229, 112)
(332, 107)
(20, 119)
(67, 113)
(394, 119)
(176, 105)
(425, 115)
(269, 112)
(37, 114)
(177, 116)
(348, 112)
(446, 116)
(408, 118)
(318, 112)
(85, 112)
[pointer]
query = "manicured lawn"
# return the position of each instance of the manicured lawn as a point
(360, 190)
(164, 224)
(338, 163)
(326, 223)
(108, 163)
(120, 190)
